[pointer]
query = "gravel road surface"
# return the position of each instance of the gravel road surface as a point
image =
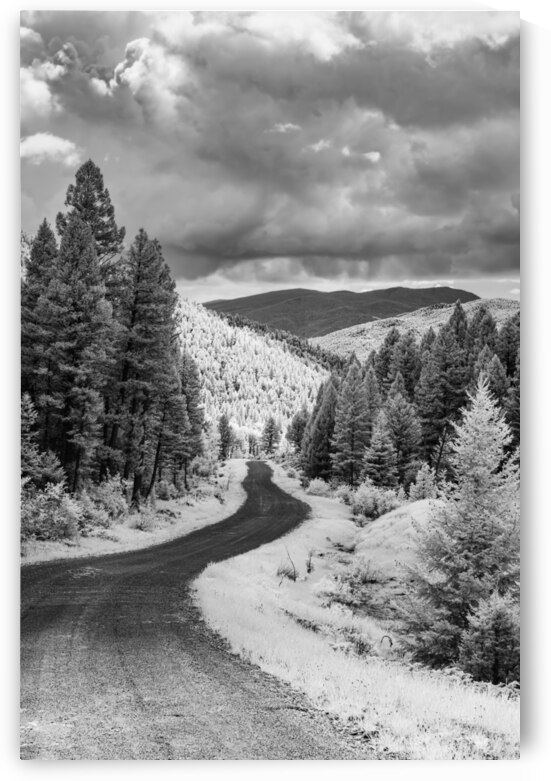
(116, 663)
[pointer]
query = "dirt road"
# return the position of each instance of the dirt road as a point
(116, 662)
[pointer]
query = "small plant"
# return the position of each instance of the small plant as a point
(318, 487)
(287, 570)
(310, 563)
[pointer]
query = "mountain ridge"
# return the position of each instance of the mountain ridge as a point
(313, 313)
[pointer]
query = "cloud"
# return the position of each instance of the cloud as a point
(319, 145)
(47, 148)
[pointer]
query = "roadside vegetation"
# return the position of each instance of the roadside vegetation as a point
(299, 608)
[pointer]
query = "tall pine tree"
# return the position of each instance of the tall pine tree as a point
(351, 433)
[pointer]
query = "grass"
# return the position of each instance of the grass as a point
(347, 664)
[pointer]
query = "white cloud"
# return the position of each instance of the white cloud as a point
(373, 156)
(35, 96)
(29, 36)
(45, 147)
(284, 127)
(323, 143)
(154, 76)
(321, 34)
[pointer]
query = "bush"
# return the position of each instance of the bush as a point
(371, 501)
(345, 493)
(92, 515)
(291, 472)
(166, 490)
(490, 645)
(50, 514)
(110, 497)
(318, 487)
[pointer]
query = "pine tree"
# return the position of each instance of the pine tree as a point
(37, 468)
(270, 436)
(497, 380)
(490, 644)
(372, 400)
(295, 431)
(512, 404)
(380, 462)
(458, 324)
(34, 332)
(144, 368)
(226, 437)
(78, 330)
(405, 435)
(89, 200)
(383, 359)
(318, 463)
(191, 391)
(470, 547)
(482, 331)
(424, 486)
(508, 343)
(441, 393)
(426, 341)
(351, 431)
(405, 360)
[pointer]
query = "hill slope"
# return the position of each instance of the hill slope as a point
(312, 313)
(247, 375)
(363, 338)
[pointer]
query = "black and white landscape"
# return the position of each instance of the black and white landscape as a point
(270, 378)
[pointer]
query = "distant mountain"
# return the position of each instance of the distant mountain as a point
(311, 313)
(361, 339)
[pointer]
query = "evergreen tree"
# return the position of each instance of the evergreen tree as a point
(372, 400)
(441, 393)
(383, 359)
(482, 331)
(497, 380)
(426, 341)
(37, 468)
(380, 462)
(512, 404)
(226, 437)
(91, 202)
(458, 324)
(470, 547)
(270, 436)
(424, 486)
(405, 435)
(508, 343)
(405, 360)
(295, 431)
(35, 333)
(319, 446)
(490, 644)
(78, 329)
(351, 430)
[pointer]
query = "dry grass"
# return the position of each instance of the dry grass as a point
(283, 627)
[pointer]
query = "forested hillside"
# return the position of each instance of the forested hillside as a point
(246, 375)
(362, 339)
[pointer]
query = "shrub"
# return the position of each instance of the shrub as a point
(93, 515)
(50, 514)
(166, 490)
(110, 497)
(490, 645)
(371, 501)
(344, 493)
(318, 487)
(291, 472)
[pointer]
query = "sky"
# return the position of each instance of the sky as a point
(268, 150)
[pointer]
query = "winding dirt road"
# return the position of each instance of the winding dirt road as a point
(116, 662)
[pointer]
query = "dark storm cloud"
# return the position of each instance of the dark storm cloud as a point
(335, 142)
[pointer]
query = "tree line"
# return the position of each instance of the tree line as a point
(106, 387)
(387, 418)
